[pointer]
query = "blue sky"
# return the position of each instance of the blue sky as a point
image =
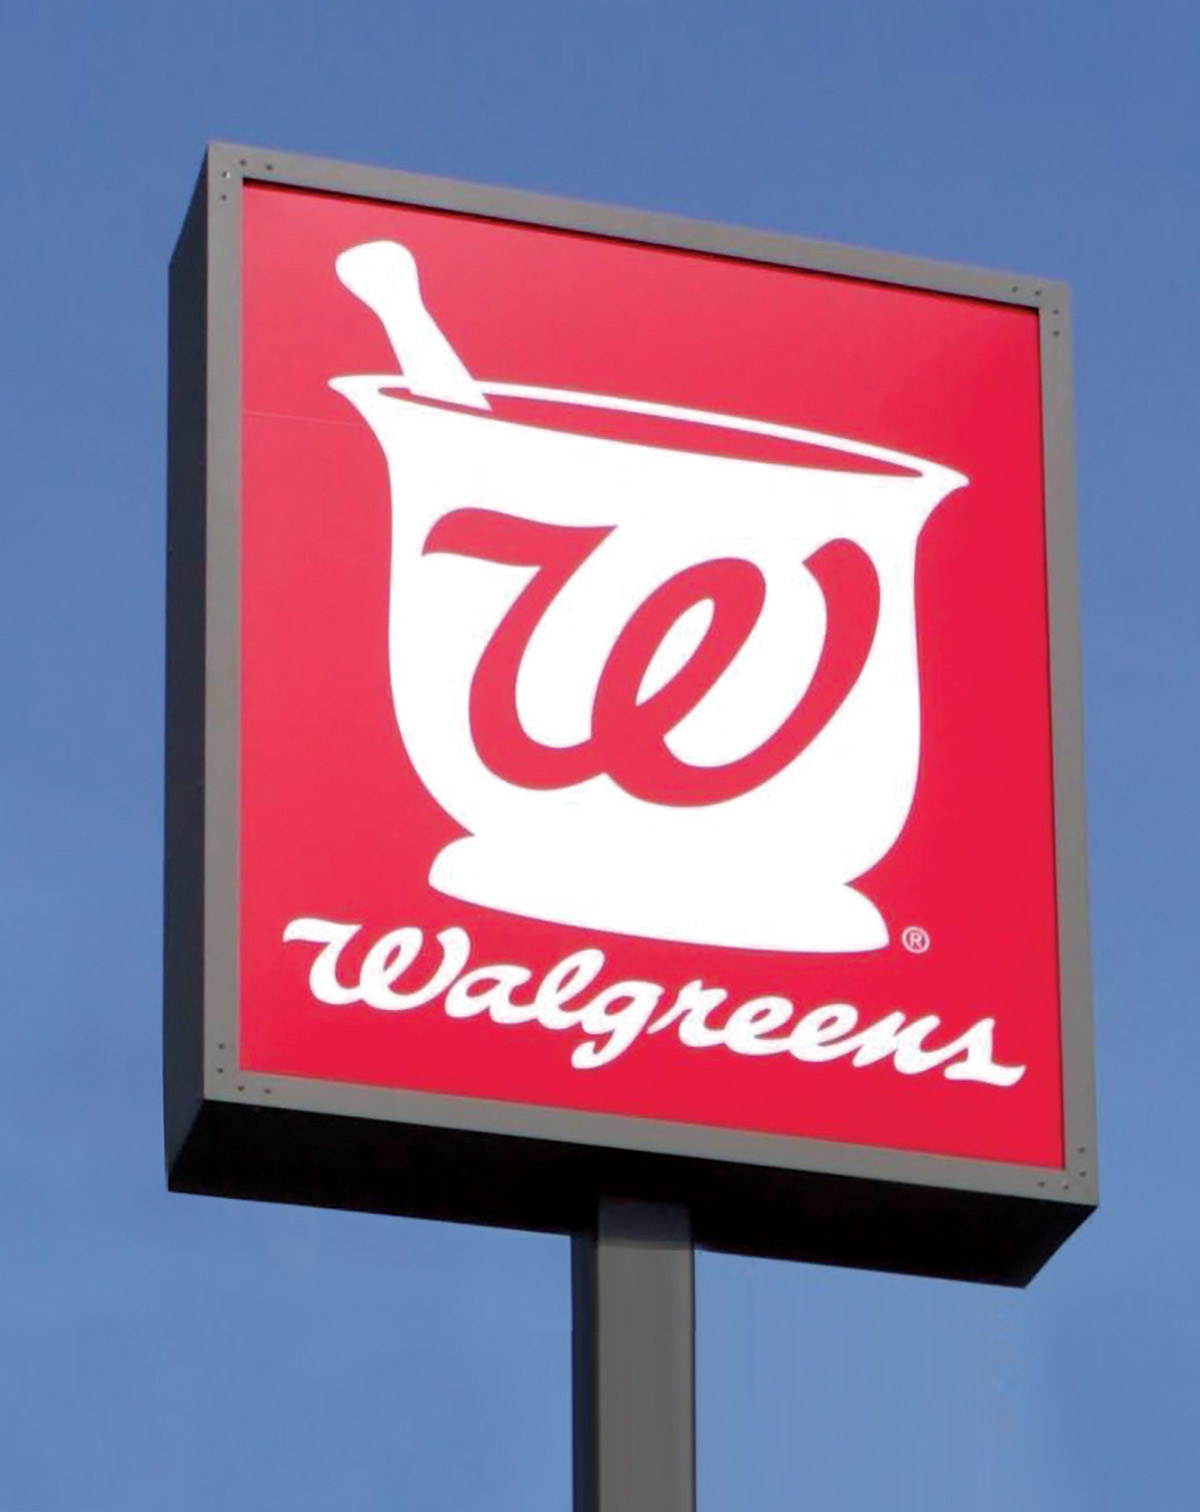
(184, 1353)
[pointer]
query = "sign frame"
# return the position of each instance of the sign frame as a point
(236, 1133)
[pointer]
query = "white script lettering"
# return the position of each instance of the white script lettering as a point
(612, 1020)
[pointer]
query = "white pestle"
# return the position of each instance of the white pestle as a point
(383, 274)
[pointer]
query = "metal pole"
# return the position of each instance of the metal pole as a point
(633, 1301)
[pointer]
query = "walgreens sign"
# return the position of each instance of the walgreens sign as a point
(637, 724)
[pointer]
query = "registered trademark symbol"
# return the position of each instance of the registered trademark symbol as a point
(915, 939)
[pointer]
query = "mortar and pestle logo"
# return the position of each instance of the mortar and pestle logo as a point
(668, 692)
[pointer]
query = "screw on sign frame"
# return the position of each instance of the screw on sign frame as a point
(309, 1058)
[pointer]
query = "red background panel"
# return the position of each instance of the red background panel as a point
(336, 824)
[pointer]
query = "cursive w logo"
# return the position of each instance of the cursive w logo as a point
(628, 741)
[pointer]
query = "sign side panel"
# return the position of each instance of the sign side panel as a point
(183, 959)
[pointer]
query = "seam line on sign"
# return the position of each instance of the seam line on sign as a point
(262, 414)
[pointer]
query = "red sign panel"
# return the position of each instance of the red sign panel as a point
(644, 683)
(644, 701)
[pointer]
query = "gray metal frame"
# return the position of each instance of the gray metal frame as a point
(236, 1132)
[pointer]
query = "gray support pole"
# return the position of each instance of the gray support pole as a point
(633, 1300)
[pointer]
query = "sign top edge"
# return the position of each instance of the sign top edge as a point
(719, 238)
